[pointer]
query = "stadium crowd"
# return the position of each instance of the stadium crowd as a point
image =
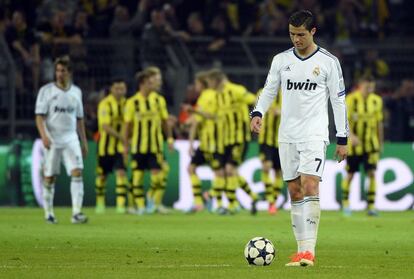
(38, 31)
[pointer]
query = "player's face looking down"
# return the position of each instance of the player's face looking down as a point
(119, 89)
(62, 74)
(367, 87)
(156, 82)
(301, 37)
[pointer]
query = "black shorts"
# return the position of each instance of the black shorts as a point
(108, 163)
(270, 153)
(214, 160)
(147, 161)
(368, 161)
(234, 154)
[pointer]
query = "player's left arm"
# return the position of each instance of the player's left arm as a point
(380, 119)
(80, 126)
(82, 135)
(336, 87)
(166, 122)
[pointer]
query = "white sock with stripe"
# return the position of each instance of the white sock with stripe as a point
(311, 217)
(296, 214)
(48, 193)
(76, 190)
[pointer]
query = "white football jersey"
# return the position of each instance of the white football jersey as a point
(62, 108)
(306, 84)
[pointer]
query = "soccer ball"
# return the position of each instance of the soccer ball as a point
(259, 251)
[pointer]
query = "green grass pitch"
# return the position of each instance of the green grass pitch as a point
(198, 246)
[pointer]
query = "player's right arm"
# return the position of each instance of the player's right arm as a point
(41, 110)
(192, 134)
(128, 118)
(269, 92)
(104, 119)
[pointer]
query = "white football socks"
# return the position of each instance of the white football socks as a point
(48, 193)
(76, 190)
(305, 215)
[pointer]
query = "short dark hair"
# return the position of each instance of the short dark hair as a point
(65, 62)
(368, 77)
(303, 17)
(117, 79)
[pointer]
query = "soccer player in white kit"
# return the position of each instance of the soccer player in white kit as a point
(59, 120)
(308, 76)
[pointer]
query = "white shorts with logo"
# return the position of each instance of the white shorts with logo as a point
(302, 158)
(71, 154)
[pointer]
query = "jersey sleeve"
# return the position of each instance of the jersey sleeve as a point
(336, 87)
(42, 105)
(79, 109)
(163, 108)
(270, 90)
(380, 115)
(129, 111)
(104, 116)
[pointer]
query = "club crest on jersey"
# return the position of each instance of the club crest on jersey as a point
(316, 71)
(295, 85)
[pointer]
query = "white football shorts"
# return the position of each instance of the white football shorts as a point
(302, 158)
(71, 154)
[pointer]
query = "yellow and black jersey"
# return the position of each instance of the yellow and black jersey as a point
(269, 133)
(210, 130)
(146, 114)
(233, 102)
(110, 112)
(364, 115)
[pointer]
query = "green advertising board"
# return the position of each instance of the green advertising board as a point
(395, 176)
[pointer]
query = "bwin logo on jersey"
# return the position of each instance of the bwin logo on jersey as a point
(64, 109)
(301, 85)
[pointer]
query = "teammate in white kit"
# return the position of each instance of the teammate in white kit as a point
(59, 120)
(308, 76)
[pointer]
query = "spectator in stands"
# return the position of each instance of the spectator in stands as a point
(221, 32)
(401, 108)
(57, 39)
(373, 65)
(195, 25)
(48, 8)
(25, 50)
(156, 35)
(122, 31)
(101, 13)
(81, 24)
(275, 24)
(346, 20)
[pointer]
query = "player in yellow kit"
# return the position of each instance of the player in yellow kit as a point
(366, 140)
(110, 146)
(233, 101)
(208, 127)
(145, 117)
(269, 153)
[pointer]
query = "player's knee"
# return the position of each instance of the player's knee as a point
(371, 174)
(230, 170)
(191, 169)
(296, 194)
(350, 175)
(267, 166)
(49, 180)
(120, 173)
(311, 186)
(76, 173)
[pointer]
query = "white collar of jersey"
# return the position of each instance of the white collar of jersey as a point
(307, 57)
(64, 89)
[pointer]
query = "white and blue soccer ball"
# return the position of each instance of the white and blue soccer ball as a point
(259, 251)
